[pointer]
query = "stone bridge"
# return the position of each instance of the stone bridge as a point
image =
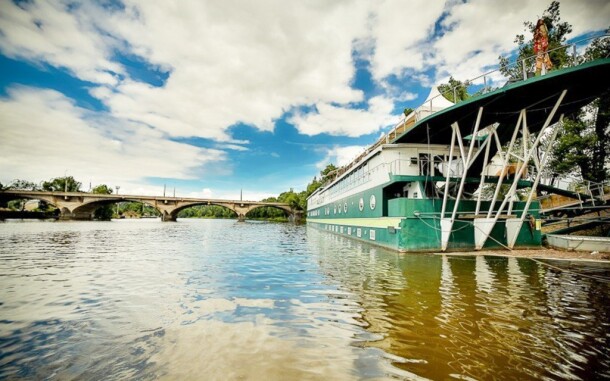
(81, 206)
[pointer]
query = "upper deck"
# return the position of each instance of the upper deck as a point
(537, 95)
(431, 125)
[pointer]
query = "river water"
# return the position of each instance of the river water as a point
(222, 300)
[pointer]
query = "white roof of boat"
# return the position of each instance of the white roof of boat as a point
(438, 101)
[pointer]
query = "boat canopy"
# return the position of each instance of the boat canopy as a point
(537, 95)
(436, 101)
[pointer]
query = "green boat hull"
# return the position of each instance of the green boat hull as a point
(413, 225)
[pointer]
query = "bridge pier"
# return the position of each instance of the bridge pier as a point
(66, 215)
(296, 217)
(168, 217)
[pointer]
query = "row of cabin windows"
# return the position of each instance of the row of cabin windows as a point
(358, 177)
(362, 175)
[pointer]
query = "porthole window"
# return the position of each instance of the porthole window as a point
(345, 207)
(372, 202)
(361, 204)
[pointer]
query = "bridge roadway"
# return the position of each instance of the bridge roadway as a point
(81, 206)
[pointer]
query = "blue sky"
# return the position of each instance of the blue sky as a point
(212, 97)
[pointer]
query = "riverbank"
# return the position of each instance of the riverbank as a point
(543, 253)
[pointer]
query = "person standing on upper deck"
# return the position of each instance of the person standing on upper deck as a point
(541, 44)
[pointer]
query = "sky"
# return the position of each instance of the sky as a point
(215, 98)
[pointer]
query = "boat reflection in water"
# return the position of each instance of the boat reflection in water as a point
(480, 317)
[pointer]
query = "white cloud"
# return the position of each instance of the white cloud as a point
(234, 147)
(479, 31)
(336, 120)
(406, 96)
(340, 156)
(44, 135)
(232, 62)
(44, 31)
(229, 62)
(401, 32)
(243, 62)
(586, 16)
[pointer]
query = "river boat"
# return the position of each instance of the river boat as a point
(455, 177)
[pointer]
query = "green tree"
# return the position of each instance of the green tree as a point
(105, 212)
(583, 144)
(293, 200)
(297, 201)
(407, 111)
(22, 185)
(558, 31)
(600, 108)
(327, 173)
(313, 186)
(60, 184)
(455, 90)
(207, 211)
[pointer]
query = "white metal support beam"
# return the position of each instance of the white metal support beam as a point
(483, 226)
(505, 163)
(446, 194)
(483, 168)
(521, 159)
(467, 162)
(482, 238)
(513, 225)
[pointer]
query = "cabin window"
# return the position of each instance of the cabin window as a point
(414, 160)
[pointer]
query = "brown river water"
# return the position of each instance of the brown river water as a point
(222, 300)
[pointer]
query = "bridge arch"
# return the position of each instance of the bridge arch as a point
(239, 208)
(173, 214)
(88, 208)
(287, 211)
(8, 197)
